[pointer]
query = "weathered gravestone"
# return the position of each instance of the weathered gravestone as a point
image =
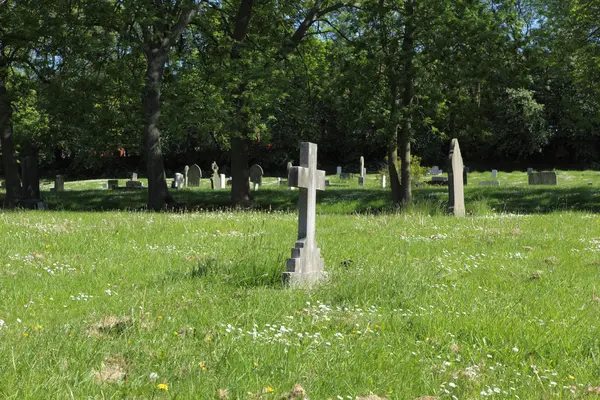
(133, 183)
(529, 170)
(361, 178)
(456, 188)
(383, 181)
(489, 183)
(289, 168)
(194, 175)
(186, 170)
(59, 183)
(494, 173)
(223, 181)
(30, 197)
(178, 181)
(30, 178)
(306, 265)
(256, 174)
(215, 181)
(338, 171)
(543, 178)
(113, 183)
(435, 170)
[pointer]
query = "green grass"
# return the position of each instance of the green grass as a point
(416, 303)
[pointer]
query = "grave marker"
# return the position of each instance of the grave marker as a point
(306, 265)
(456, 188)
(59, 183)
(494, 173)
(215, 181)
(361, 178)
(256, 174)
(543, 178)
(186, 170)
(194, 175)
(489, 183)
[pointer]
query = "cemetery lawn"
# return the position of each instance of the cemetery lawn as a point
(190, 305)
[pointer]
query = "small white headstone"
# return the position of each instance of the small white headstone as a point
(223, 181)
(494, 173)
(178, 181)
(338, 171)
(383, 181)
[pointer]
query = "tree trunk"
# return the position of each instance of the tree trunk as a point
(407, 96)
(9, 156)
(240, 174)
(240, 170)
(393, 124)
(158, 193)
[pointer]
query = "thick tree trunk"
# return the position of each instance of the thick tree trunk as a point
(240, 170)
(407, 96)
(9, 156)
(240, 174)
(158, 193)
(393, 124)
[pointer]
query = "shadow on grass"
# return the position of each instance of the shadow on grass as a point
(342, 200)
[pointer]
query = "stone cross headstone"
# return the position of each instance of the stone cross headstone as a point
(216, 178)
(494, 173)
(543, 178)
(306, 265)
(456, 188)
(30, 178)
(59, 183)
(338, 170)
(383, 179)
(194, 175)
(256, 174)
(186, 170)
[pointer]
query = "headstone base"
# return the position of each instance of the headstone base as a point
(133, 184)
(305, 268)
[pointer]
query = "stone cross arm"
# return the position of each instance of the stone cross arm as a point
(300, 177)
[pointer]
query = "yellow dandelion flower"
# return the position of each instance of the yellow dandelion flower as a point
(269, 389)
(571, 377)
(370, 329)
(26, 334)
(255, 364)
(38, 328)
(202, 366)
(208, 339)
(159, 317)
(162, 386)
(175, 333)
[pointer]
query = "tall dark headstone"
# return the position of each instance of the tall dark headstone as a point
(30, 178)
